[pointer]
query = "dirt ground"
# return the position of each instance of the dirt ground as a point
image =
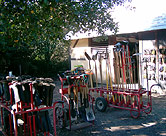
(117, 122)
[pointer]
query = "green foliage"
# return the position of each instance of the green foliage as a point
(36, 30)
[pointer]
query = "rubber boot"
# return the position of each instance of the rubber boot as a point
(36, 97)
(46, 91)
(6, 121)
(20, 91)
(40, 91)
(1, 89)
(20, 124)
(52, 87)
(44, 124)
(26, 92)
(48, 121)
(15, 92)
(37, 120)
(6, 90)
(50, 81)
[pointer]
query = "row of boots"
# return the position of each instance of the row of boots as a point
(42, 90)
(41, 119)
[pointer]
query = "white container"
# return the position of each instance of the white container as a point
(10, 73)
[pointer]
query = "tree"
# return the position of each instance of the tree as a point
(41, 26)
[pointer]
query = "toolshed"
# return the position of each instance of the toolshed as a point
(151, 45)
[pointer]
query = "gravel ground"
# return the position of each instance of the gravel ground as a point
(117, 122)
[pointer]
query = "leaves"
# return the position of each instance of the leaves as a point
(42, 25)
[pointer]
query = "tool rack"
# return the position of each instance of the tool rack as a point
(134, 102)
(122, 92)
(23, 116)
(79, 122)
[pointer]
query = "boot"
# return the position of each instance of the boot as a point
(50, 81)
(46, 91)
(36, 97)
(20, 91)
(52, 87)
(20, 124)
(48, 120)
(6, 90)
(43, 121)
(26, 92)
(15, 92)
(1, 89)
(37, 120)
(6, 121)
(40, 91)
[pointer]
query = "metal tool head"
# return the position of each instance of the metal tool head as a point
(137, 54)
(117, 49)
(118, 45)
(87, 56)
(94, 57)
(126, 42)
(122, 49)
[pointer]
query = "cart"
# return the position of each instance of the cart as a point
(120, 90)
(131, 99)
(78, 104)
(25, 117)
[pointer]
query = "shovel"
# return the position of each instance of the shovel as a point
(94, 58)
(88, 107)
(89, 59)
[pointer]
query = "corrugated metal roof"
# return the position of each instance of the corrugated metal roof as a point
(158, 23)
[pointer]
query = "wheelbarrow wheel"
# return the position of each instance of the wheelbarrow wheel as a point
(135, 113)
(61, 117)
(101, 104)
(149, 109)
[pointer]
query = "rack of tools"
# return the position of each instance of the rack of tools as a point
(122, 92)
(128, 100)
(25, 107)
(78, 104)
(154, 68)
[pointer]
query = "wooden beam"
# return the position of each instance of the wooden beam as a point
(112, 40)
(75, 43)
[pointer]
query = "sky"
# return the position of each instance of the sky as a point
(141, 17)
(138, 19)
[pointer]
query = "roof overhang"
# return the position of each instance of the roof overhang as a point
(146, 35)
